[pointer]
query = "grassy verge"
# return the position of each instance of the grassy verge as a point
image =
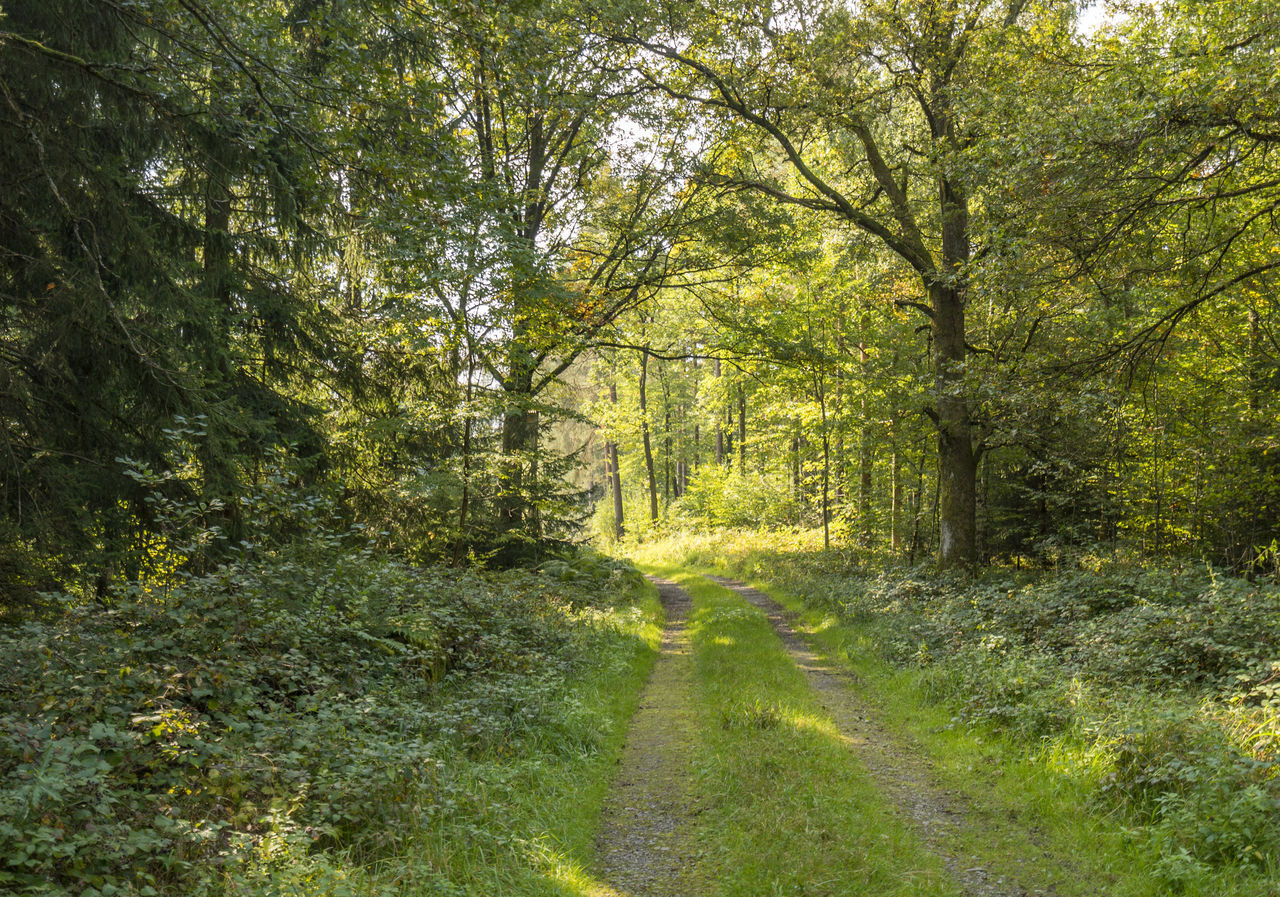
(1150, 782)
(521, 820)
(783, 808)
(527, 822)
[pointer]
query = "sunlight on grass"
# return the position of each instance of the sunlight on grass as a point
(787, 808)
(570, 876)
(1075, 761)
(826, 623)
(816, 724)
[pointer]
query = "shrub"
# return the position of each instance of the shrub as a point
(285, 704)
(721, 497)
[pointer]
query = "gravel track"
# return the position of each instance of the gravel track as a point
(643, 849)
(899, 771)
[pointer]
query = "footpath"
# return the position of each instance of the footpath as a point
(651, 836)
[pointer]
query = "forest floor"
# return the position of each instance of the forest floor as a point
(649, 840)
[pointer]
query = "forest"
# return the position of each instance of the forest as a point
(399, 399)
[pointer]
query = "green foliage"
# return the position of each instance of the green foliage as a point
(278, 708)
(600, 573)
(726, 498)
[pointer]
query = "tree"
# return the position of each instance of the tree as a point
(863, 117)
(161, 172)
(573, 231)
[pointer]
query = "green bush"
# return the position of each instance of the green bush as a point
(286, 703)
(718, 496)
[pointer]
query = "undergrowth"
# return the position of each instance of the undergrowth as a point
(314, 720)
(1162, 685)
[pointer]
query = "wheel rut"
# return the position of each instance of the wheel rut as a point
(899, 772)
(641, 847)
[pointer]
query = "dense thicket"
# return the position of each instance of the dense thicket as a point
(284, 724)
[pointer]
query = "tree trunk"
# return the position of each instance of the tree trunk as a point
(1257, 360)
(795, 463)
(957, 461)
(864, 445)
(644, 437)
(666, 442)
(802, 443)
(467, 424)
(615, 474)
(697, 427)
(518, 435)
(917, 509)
(826, 468)
(1157, 470)
(728, 435)
(533, 422)
(838, 407)
(221, 481)
(742, 429)
(895, 499)
(719, 431)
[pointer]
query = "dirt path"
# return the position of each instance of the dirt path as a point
(641, 851)
(643, 848)
(901, 774)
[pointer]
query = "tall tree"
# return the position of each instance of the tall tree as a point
(575, 230)
(860, 114)
(162, 170)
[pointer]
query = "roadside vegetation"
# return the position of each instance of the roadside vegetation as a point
(1133, 708)
(313, 718)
